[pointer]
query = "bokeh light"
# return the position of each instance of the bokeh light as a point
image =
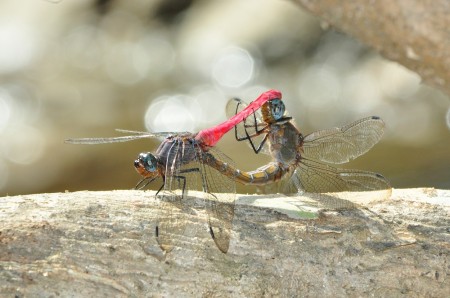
(320, 86)
(127, 63)
(75, 69)
(159, 56)
(233, 68)
(396, 81)
(206, 106)
(83, 47)
(169, 114)
(18, 46)
(26, 145)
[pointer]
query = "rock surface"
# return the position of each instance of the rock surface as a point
(103, 244)
(414, 33)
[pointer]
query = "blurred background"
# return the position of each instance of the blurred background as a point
(84, 68)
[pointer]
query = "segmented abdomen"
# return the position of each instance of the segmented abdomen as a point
(266, 174)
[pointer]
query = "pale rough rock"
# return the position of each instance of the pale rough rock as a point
(103, 244)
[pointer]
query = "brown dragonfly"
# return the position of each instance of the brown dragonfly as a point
(305, 160)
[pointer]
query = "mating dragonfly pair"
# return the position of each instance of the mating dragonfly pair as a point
(188, 161)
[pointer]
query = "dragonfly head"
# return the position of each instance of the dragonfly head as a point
(273, 110)
(147, 165)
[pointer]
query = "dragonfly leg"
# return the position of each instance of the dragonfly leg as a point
(160, 189)
(235, 127)
(204, 184)
(183, 178)
(247, 135)
(184, 183)
(249, 138)
(141, 184)
(255, 125)
(238, 138)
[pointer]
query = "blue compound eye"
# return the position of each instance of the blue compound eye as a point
(277, 108)
(148, 160)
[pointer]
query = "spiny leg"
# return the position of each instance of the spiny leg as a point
(164, 183)
(255, 125)
(204, 184)
(141, 184)
(247, 135)
(249, 138)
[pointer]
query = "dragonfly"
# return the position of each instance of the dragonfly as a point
(305, 160)
(188, 161)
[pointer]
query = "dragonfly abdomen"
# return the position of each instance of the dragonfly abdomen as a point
(269, 173)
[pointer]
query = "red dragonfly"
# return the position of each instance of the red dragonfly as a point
(304, 160)
(187, 161)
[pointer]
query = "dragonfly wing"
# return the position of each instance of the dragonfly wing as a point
(185, 171)
(316, 177)
(92, 141)
(171, 223)
(136, 135)
(252, 123)
(220, 193)
(342, 144)
(153, 134)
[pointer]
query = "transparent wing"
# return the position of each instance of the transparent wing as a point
(220, 197)
(252, 123)
(171, 224)
(342, 144)
(93, 141)
(186, 171)
(316, 177)
(153, 134)
(137, 135)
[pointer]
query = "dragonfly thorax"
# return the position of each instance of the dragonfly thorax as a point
(284, 143)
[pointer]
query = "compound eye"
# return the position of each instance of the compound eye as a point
(148, 160)
(278, 109)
